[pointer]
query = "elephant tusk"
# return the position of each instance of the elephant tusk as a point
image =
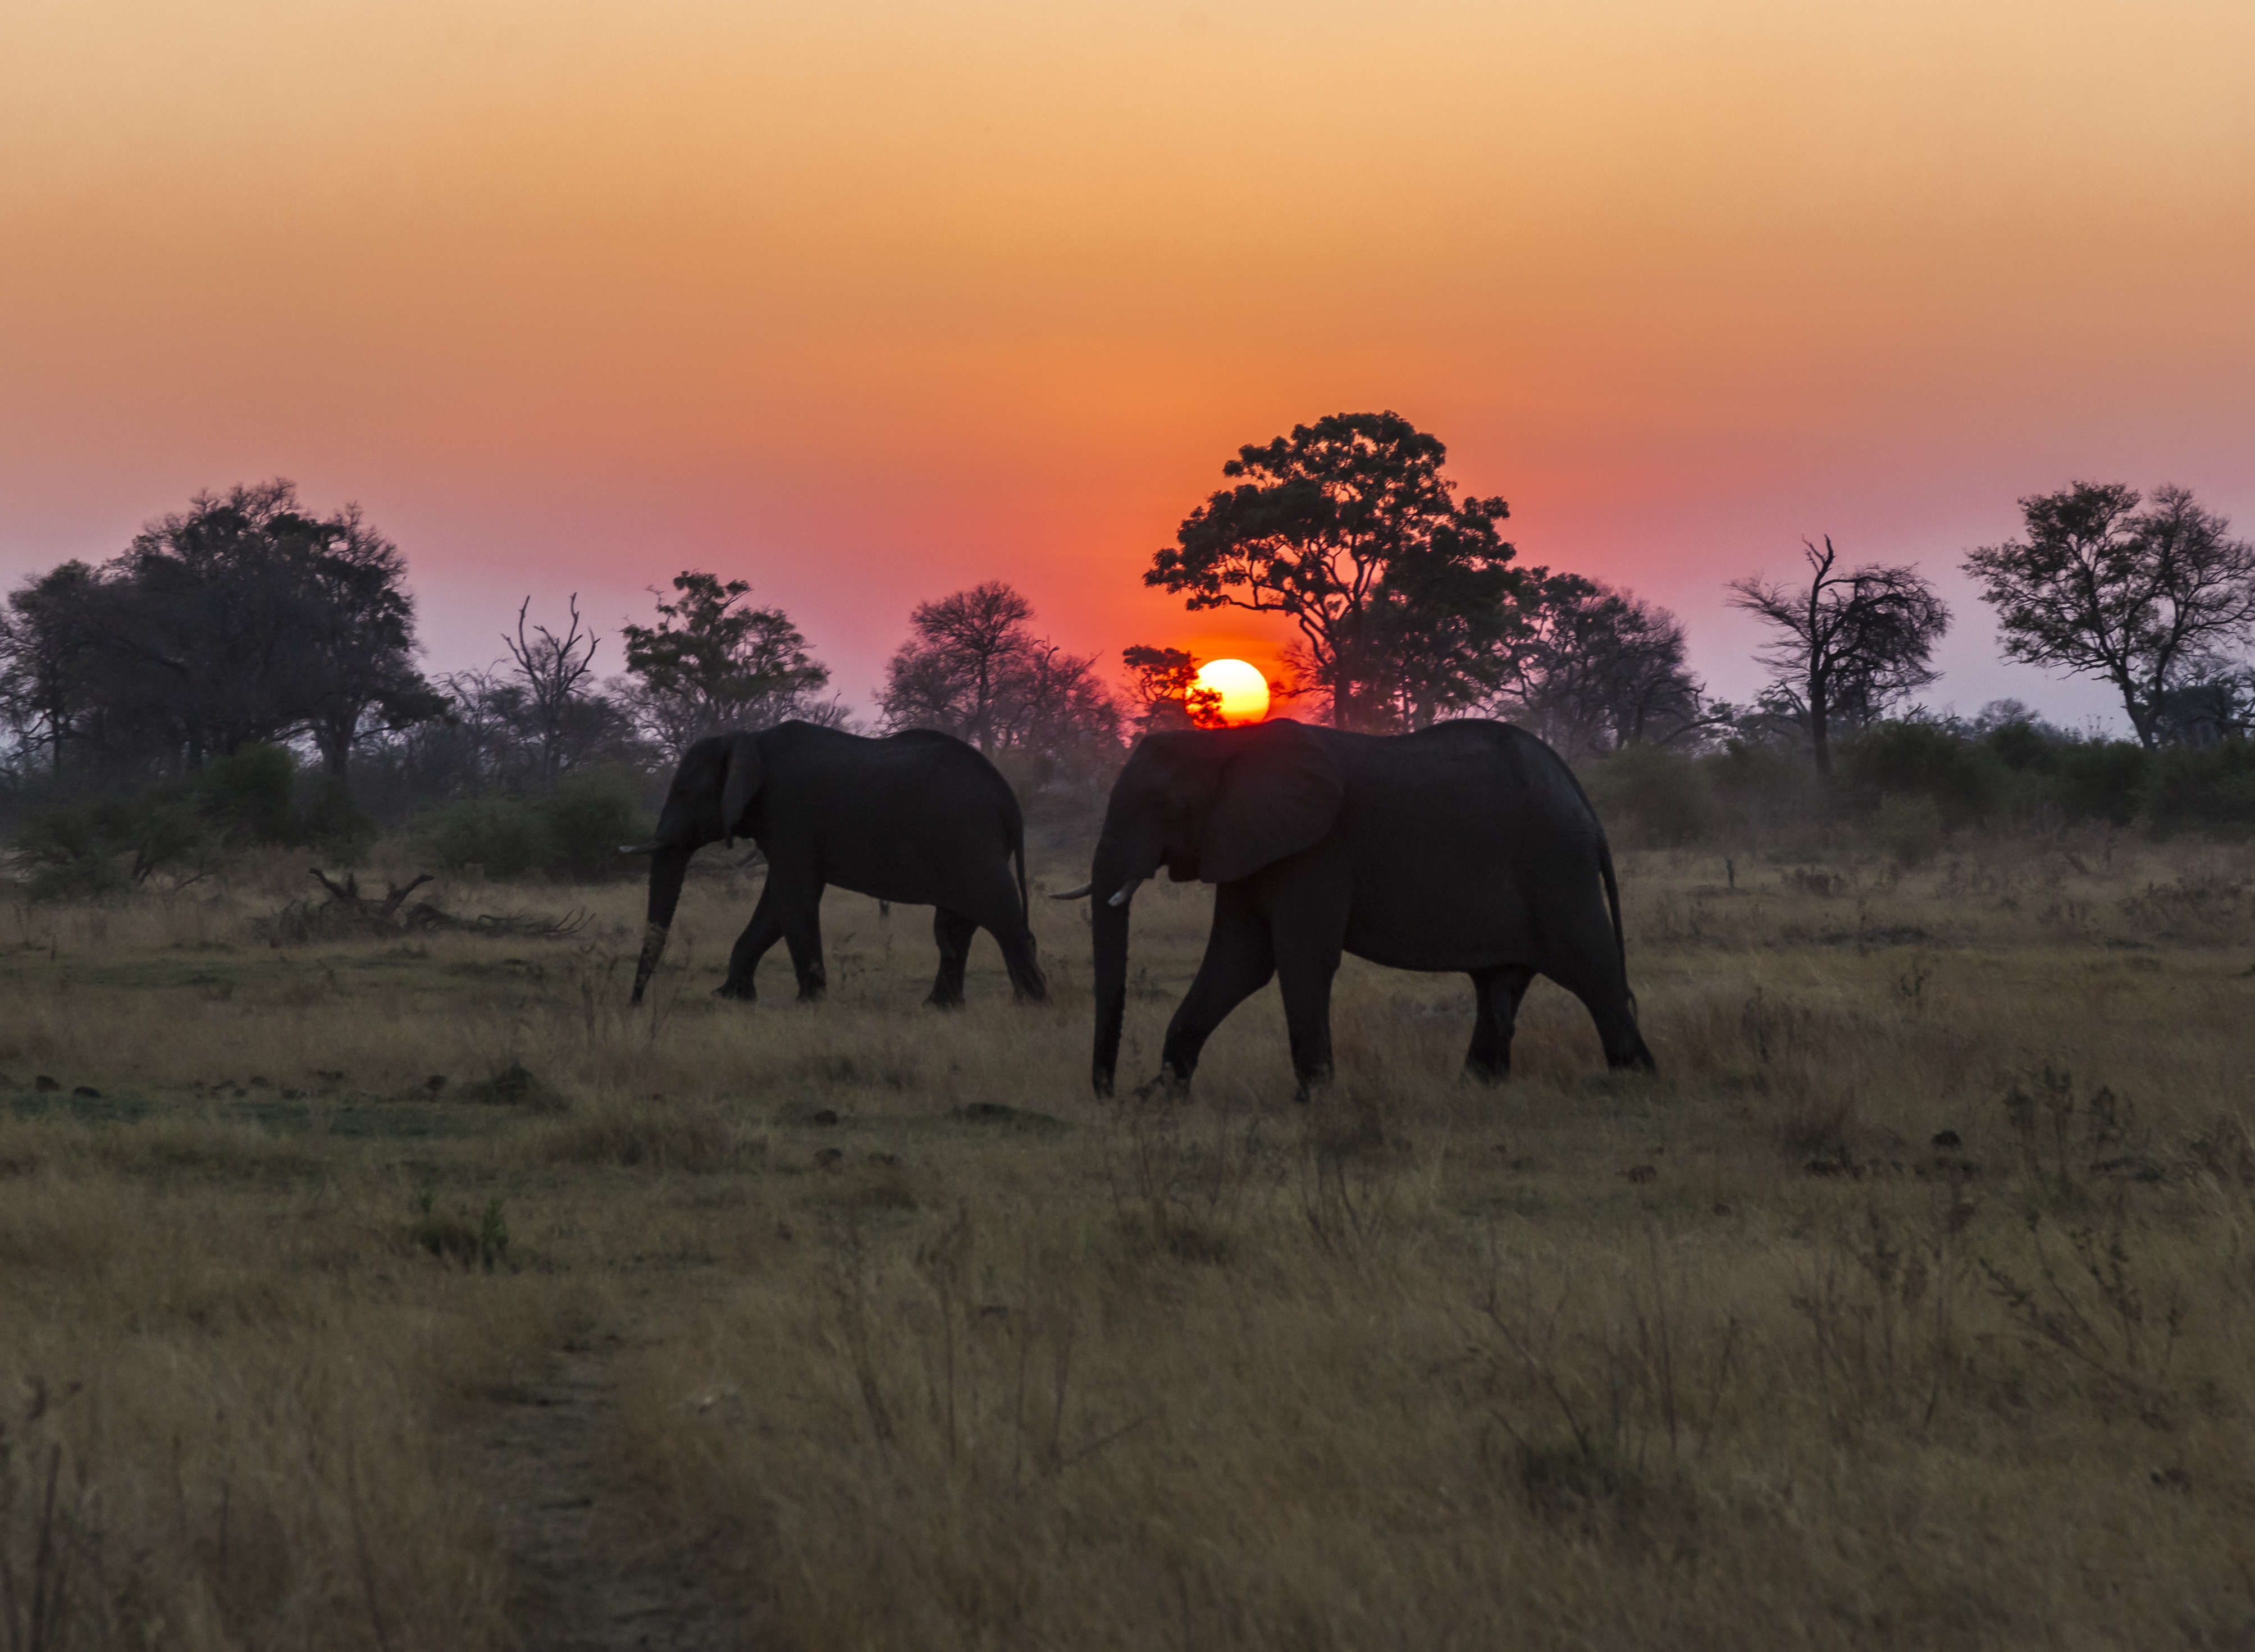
(637, 849)
(1127, 892)
(1080, 894)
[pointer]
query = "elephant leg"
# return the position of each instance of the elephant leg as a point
(1495, 1014)
(762, 932)
(997, 911)
(953, 931)
(1311, 932)
(802, 932)
(1237, 963)
(1586, 962)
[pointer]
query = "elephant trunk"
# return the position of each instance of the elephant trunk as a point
(1108, 921)
(667, 866)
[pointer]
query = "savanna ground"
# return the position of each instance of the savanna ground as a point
(414, 1292)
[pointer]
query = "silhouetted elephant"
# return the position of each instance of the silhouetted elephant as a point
(918, 817)
(1469, 845)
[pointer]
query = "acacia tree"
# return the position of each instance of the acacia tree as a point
(48, 642)
(552, 671)
(1163, 687)
(243, 619)
(973, 666)
(1853, 641)
(2148, 600)
(713, 662)
(1600, 669)
(1404, 596)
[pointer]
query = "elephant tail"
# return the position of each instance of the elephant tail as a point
(1605, 871)
(1025, 902)
(1613, 901)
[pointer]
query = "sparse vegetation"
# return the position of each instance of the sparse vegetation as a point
(328, 1262)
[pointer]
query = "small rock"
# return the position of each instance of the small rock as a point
(44, 1085)
(1946, 1139)
(2173, 1479)
(893, 1159)
(823, 1116)
(827, 1158)
(1722, 1210)
(1641, 1173)
(435, 1083)
(784, 1232)
(88, 1091)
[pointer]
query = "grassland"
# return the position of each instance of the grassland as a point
(412, 1291)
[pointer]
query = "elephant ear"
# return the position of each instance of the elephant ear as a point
(1277, 796)
(742, 783)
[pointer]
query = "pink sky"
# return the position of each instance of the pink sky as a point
(865, 302)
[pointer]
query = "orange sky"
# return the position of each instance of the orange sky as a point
(867, 301)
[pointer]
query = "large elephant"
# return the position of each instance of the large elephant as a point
(1469, 845)
(917, 818)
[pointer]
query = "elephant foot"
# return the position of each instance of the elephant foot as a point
(937, 1001)
(741, 991)
(1170, 1086)
(1487, 1072)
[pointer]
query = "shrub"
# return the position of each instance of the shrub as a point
(2204, 786)
(587, 818)
(1911, 828)
(1923, 760)
(1649, 797)
(2099, 779)
(573, 832)
(67, 854)
(506, 836)
(1759, 787)
(250, 795)
(333, 823)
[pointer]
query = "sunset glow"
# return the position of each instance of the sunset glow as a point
(868, 302)
(1244, 692)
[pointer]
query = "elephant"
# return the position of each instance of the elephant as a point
(1466, 846)
(918, 817)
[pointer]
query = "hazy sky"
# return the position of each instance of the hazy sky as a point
(869, 300)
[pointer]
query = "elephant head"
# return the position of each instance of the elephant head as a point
(1213, 805)
(714, 790)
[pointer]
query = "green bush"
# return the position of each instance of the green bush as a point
(574, 833)
(250, 795)
(505, 836)
(69, 854)
(1759, 787)
(1910, 827)
(332, 823)
(1918, 760)
(2099, 779)
(2211, 787)
(587, 818)
(1650, 798)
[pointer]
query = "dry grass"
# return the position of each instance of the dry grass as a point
(1914, 1304)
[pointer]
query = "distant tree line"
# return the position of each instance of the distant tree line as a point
(249, 624)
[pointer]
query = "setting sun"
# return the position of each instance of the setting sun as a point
(1244, 692)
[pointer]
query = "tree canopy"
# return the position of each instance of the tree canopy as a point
(2150, 601)
(1851, 642)
(242, 620)
(1600, 669)
(713, 662)
(1404, 596)
(973, 667)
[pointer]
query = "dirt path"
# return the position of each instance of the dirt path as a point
(581, 1584)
